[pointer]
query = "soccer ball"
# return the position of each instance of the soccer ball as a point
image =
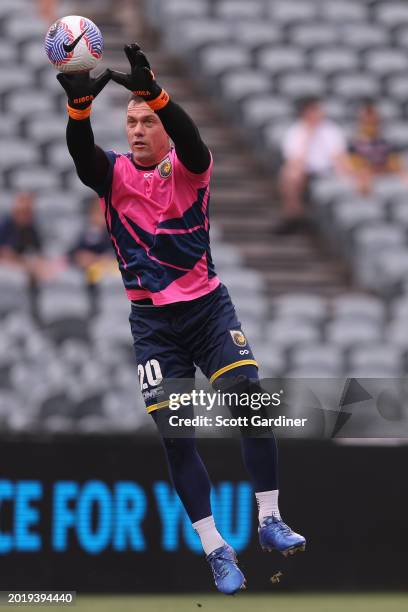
(74, 44)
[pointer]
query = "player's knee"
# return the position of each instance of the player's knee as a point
(239, 391)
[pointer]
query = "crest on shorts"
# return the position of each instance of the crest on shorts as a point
(238, 337)
(165, 168)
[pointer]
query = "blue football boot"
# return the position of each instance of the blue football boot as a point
(275, 534)
(228, 577)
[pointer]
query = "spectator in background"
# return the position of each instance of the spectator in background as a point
(93, 251)
(20, 241)
(370, 154)
(312, 146)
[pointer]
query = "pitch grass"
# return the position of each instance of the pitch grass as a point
(244, 602)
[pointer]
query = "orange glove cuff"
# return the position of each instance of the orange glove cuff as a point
(159, 102)
(79, 114)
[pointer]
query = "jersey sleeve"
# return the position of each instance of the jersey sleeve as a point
(193, 179)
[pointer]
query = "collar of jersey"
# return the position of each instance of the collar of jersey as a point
(145, 168)
(139, 167)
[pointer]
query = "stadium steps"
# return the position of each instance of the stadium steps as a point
(243, 202)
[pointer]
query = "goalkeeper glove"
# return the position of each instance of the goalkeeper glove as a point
(81, 90)
(141, 79)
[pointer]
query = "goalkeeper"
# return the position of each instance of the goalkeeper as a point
(156, 204)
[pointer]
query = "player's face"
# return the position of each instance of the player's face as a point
(147, 137)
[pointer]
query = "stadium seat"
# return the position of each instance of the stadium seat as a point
(350, 213)
(328, 188)
(318, 356)
(9, 126)
(335, 108)
(396, 132)
(399, 309)
(389, 186)
(289, 11)
(385, 61)
(55, 306)
(231, 10)
(300, 307)
(364, 35)
(397, 333)
(8, 6)
(330, 60)
(14, 152)
(392, 269)
(6, 201)
(253, 33)
(355, 85)
(179, 9)
(392, 13)
(301, 84)
(271, 359)
(219, 58)
(359, 306)
(111, 286)
(348, 333)
(345, 11)
(370, 243)
(58, 157)
(34, 178)
(69, 280)
(287, 332)
(30, 28)
(45, 127)
(53, 206)
(189, 34)
(256, 82)
(14, 290)
(401, 37)
(280, 59)
(225, 255)
(42, 102)
(243, 280)
(8, 53)
(313, 35)
(265, 108)
(15, 76)
(388, 109)
(377, 359)
(397, 87)
(274, 132)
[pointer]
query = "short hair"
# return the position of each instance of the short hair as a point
(135, 98)
(304, 104)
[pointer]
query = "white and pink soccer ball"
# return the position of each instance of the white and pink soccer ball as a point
(74, 44)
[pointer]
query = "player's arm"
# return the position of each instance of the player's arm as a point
(190, 148)
(91, 162)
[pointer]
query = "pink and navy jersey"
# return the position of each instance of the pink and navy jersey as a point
(159, 226)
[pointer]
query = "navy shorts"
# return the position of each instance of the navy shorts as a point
(170, 341)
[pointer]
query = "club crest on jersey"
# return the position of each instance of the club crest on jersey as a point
(238, 337)
(165, 168)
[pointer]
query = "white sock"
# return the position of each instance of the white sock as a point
(208, 533)
(267, 504)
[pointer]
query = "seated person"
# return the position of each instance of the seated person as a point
(370, 154)
(20, 241)
(312, 146)
(93, 251)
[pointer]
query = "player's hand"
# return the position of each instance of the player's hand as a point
(81, 88)
(140, 80)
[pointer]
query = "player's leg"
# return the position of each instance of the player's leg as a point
(260, 455)
(225, 357)
(162, 361)
(191, 481)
